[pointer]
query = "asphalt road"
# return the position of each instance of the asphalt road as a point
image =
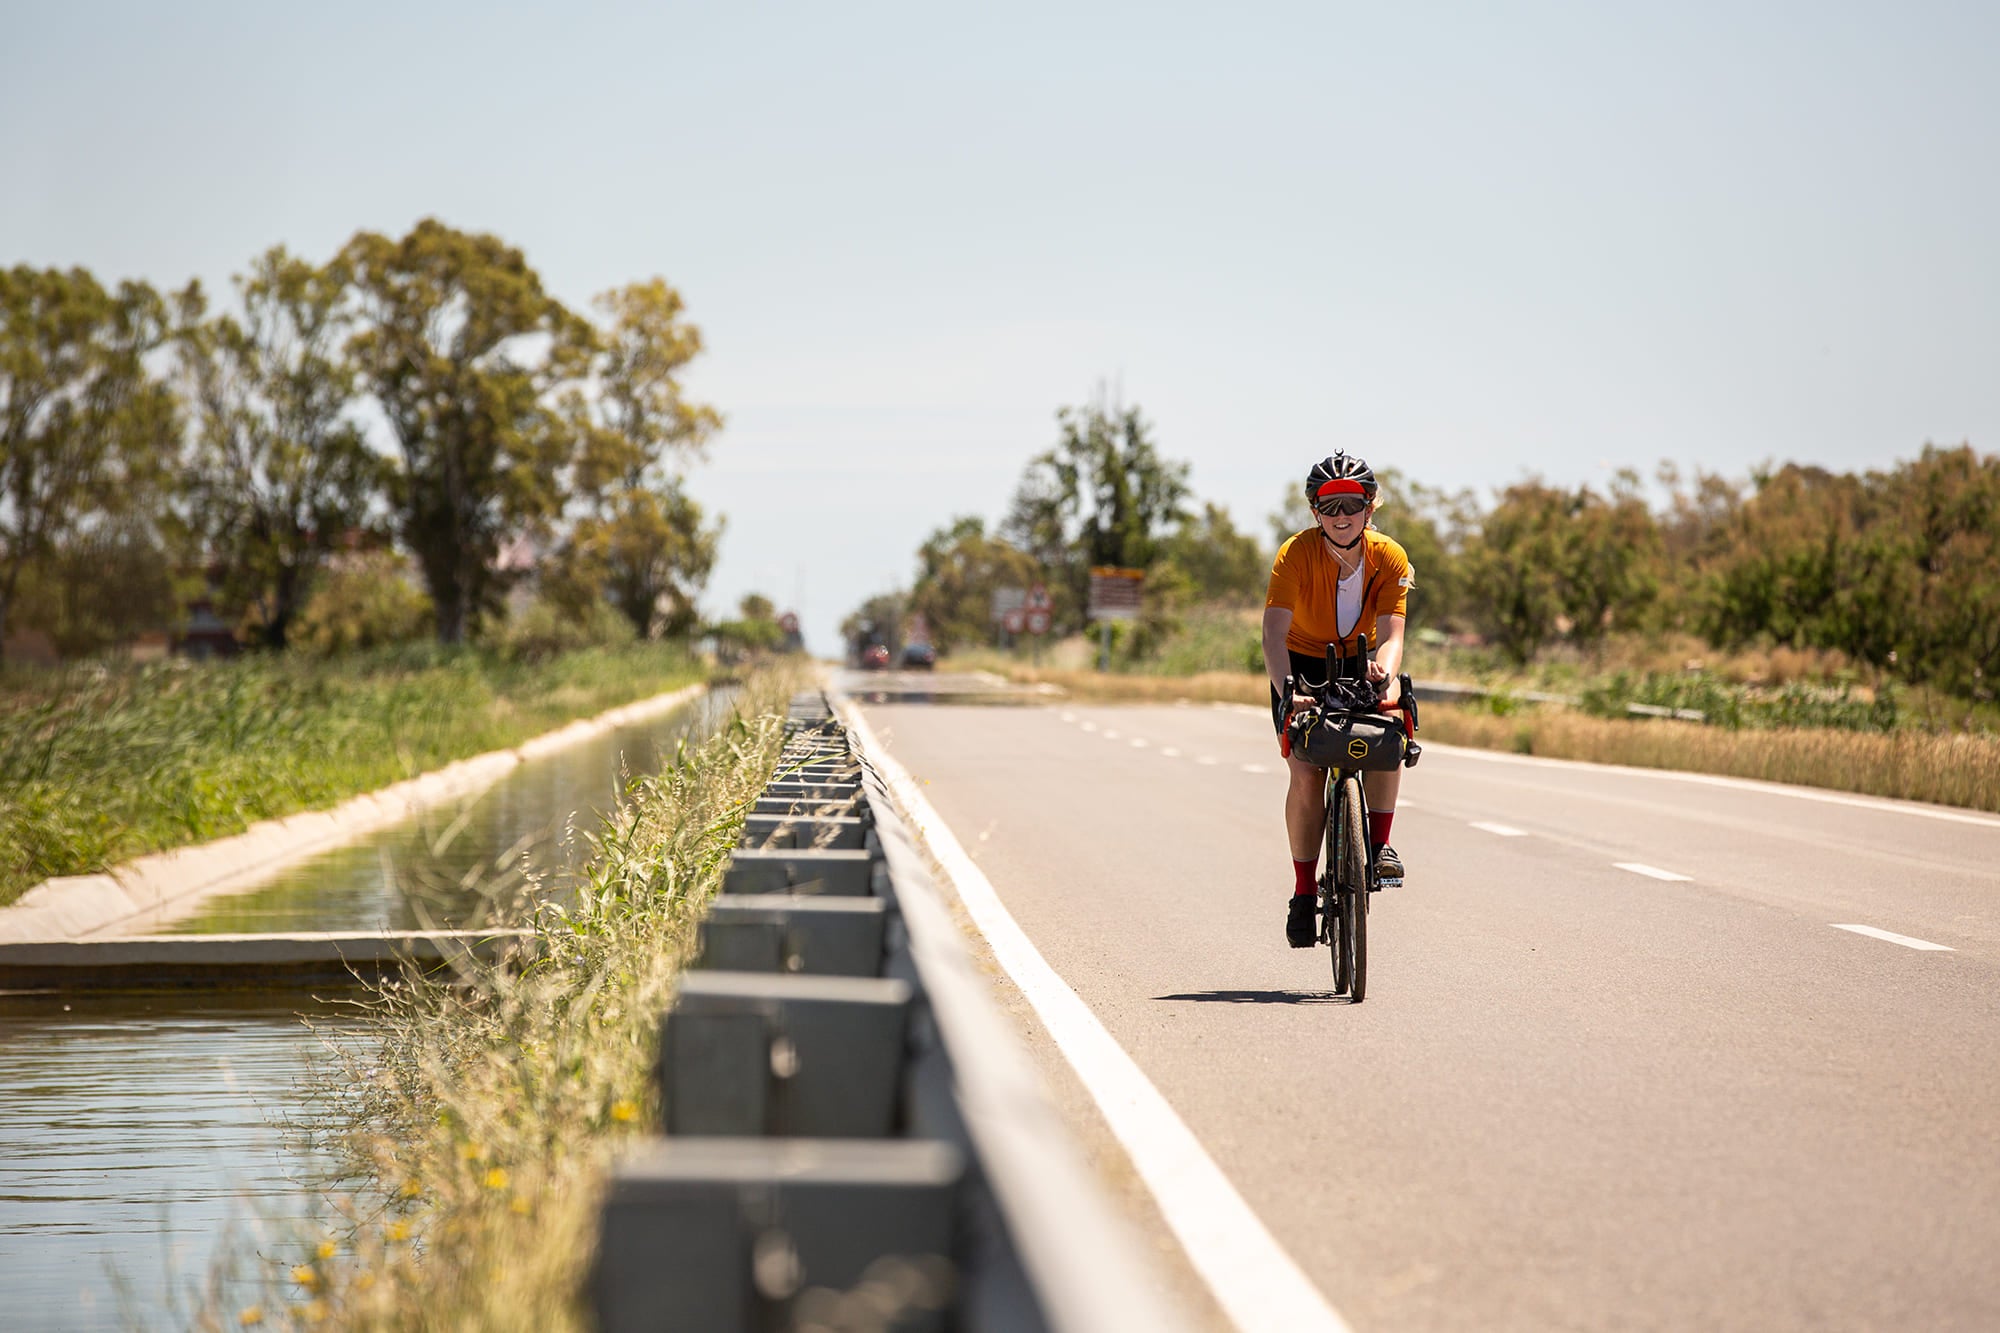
(1579, 1095)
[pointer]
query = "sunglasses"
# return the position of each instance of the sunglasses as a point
(1344, 506)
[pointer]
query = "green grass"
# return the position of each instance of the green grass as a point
(101, 765)
(476, 1117)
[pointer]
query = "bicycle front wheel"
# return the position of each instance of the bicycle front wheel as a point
(1354, 887)
(1333, 900)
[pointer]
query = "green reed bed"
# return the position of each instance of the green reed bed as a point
(100, 765)
(476, 1117)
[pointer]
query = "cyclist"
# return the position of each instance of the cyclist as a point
(1330, 584)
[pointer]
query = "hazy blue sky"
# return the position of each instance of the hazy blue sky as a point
(1470, 241)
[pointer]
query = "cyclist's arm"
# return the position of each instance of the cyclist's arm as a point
(1277, 662)
(1388, 663)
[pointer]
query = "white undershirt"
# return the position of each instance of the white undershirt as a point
(1347, 602)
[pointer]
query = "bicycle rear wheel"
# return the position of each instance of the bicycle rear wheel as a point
(1354, 888)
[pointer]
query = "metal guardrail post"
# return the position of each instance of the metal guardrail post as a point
(761, 870)
(763, 1053)
(782, 932)
(733, 1235)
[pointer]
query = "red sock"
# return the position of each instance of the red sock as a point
(1378, 826)
(1302, 872)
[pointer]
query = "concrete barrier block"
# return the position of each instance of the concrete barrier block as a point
(824, 791)
(846, 807)
(794, 833)
(733, 1235)
(752, 870)
(781, 932)
(758, 1053)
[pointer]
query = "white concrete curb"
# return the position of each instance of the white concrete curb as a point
(165, 886)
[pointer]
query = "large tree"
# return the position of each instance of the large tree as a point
(959, 568)
(466, 354)
(280, 471)
(85, 431)
(1102, 496)
(637, 538)
(1221, 563)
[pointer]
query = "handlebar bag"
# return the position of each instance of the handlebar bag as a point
(1366, 742)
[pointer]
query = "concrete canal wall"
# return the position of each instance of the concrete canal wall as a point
(145, 894)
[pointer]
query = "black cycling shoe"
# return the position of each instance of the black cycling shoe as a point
(1301, 921)
(1388, 868)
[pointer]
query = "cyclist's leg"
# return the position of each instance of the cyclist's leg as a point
(1305, 808)
(1305, 826)
(1383, 787)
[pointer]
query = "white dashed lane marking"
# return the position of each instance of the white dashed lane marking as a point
(1169, 752)
(1892, 937)
(1206, 759)
(1652, 872)
(1499, 830)
(1255, 768)
(1140, 743)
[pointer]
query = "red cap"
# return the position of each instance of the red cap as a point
(1341, 486)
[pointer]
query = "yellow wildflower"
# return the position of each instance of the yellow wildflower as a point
(496, 1179)
(327, 1249)
(251, 1316)
(305, 1275)
(399, 1231)
(624, 1110)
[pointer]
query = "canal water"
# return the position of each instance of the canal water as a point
(147, 1139)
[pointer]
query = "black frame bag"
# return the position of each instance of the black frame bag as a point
(1362, 742)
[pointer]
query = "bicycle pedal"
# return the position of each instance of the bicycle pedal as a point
(1386, 882)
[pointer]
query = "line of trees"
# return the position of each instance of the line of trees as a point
(421, 397)
(1897, 569)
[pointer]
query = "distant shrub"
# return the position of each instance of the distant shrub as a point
(367, 601)
(543, 629)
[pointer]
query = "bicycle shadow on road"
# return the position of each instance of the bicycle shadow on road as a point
(1258, 997)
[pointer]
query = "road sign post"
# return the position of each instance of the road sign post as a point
(1115, 594)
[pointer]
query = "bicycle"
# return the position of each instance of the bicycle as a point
(1352, 733)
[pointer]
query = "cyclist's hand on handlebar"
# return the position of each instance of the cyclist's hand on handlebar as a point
(1391, 691)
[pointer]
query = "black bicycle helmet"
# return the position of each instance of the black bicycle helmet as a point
(1342, 474)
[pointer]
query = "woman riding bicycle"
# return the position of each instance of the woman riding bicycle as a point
(1330, 585)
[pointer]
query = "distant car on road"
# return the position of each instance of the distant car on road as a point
(919, 656)
(875, 657)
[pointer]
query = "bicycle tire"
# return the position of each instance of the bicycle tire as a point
(1354, 892)
(1332, 901)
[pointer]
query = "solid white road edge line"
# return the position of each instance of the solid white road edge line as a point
(1257, 1284)
(1908, 942)
(1652, 872)
(1500, 830)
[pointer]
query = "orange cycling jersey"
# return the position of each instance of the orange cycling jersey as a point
(1305, 580)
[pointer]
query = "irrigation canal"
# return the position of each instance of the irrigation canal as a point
(156, 1142)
